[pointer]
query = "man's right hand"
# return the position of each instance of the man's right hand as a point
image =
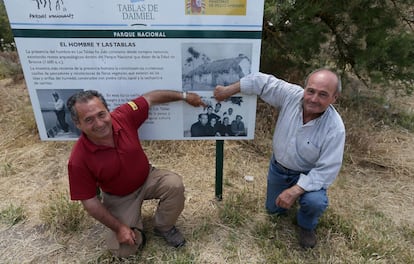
(221, 92)
(195, 100)
(125, 235)
(95, 208)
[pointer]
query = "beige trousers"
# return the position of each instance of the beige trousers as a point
(161, 184)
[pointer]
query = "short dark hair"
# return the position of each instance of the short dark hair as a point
(83, 97)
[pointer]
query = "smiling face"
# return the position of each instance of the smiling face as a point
(94, 120)
(320, 92)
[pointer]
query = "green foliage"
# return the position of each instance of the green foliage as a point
(12, 215)
(380, 111)
(374, 39)
(5, 30)
(63, 215)
(9, 65)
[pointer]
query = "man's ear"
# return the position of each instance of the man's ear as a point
(77, 124)
(335, 97)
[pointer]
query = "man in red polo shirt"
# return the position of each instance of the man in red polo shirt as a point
(109, 155)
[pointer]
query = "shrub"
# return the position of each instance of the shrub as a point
(10, 65)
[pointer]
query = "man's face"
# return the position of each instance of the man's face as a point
(218, 106)
(204, 120)
(319, 93)
(230, 111)
(213, 122)
(94, 120)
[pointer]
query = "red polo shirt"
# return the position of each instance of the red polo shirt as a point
(117, 170)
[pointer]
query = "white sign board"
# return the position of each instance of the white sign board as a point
(125, 48)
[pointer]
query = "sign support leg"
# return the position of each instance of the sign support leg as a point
(219, 169)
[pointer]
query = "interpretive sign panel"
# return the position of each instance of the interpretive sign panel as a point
(125, 48)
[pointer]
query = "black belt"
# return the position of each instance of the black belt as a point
(287, 170)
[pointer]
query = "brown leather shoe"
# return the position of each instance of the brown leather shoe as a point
(173, 237)
(307, 238)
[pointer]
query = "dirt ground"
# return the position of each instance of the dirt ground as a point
(379, 178)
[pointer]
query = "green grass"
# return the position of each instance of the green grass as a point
(63, 215)
(235, 209)
(7, 169)
(203, 229)
(12, 215)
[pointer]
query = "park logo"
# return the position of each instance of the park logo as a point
(50, 9)
(51, 5)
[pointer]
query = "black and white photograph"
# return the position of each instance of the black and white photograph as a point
(206, 65)
(217, 119)
(56, 116)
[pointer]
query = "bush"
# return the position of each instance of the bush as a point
(10, 65)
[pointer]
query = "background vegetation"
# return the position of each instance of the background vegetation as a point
(372, 39)
(370, 218)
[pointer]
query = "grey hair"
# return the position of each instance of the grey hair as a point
(338, 77)
(83, 97)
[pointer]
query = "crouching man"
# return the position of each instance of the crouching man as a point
(108, 155)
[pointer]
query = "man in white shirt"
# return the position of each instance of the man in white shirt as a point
(308, 143)
(60, 112)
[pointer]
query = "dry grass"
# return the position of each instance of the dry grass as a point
(370, 220)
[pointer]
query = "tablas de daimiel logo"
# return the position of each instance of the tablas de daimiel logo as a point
(195, 7)
(138, 10)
